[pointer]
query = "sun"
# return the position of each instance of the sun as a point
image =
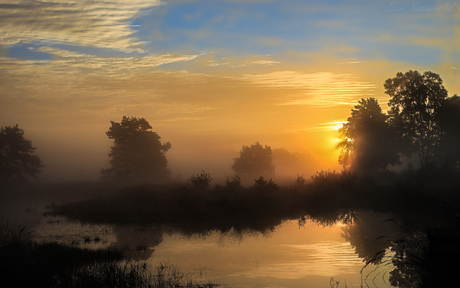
(334, 126)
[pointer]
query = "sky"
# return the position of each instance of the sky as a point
(209, 76)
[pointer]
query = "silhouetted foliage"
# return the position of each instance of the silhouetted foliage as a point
(16, 159)
(137, 154)
(233, 184)
(327, 179)
(448, 119)
(300, 181)
(415, 101)
(263, 183)
(368, 141)
(201, 181)
(27, 264)
(254, 161)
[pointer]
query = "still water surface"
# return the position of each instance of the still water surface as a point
(287, 256)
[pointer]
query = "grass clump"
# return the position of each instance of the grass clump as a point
(130, 274)
(24, 263)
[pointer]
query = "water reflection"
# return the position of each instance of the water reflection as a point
(286, 254)
(138, 242)
(259, 251)
(369, 234)
(290, 256)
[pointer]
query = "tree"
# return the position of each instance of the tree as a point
(367, 139)
(16, 159)
(414, 103)
(448, 120)
(137, 154)
(254, 161)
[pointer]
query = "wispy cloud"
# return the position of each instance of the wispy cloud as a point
(71, 62)
(321, 88)
(265, 62)
(95, 23)
(51, 92)
(327, 126)
(354, 61)
(235, 63)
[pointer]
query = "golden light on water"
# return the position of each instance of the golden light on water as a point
(292, 253)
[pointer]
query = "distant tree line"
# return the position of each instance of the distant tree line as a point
(422, 121)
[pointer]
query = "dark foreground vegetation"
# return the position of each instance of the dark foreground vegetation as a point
(431, 193)
(424, 204)
(425, 200)
(27, 264)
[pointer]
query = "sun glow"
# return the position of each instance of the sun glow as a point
(334, 125)
(334, 141)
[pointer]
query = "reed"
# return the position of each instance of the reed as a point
(130, 274)
(24, 263)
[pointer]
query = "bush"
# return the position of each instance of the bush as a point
(201, 181)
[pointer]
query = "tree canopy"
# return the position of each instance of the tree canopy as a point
(137, 154)
(415, 100)
(422, 120)
(367, 139)
(448, 120)
(254, 161)
(16, 159)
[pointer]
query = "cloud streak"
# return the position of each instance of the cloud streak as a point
(65, 61)
(319, 89)
(327, 126)
(101, 24)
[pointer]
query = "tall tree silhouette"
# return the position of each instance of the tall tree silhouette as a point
(16, 159)
(414, 103)
(367, 139)
(137, 154)
(254, 161)
(448, 120)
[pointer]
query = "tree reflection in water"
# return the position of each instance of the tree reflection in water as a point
(413, 257)
(330, 199)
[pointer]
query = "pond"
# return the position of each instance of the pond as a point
(291, 254)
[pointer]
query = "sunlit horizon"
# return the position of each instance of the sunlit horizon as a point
(209, 77)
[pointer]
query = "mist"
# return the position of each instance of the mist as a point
(70, 157)
(165, 143)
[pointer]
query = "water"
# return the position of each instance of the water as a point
(285, 255)
(290, 255)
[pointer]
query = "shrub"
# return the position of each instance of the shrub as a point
(233, 184)
(201, 181)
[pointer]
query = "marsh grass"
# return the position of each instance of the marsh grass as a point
(220, 207)
(24, 263)
(329, 197)
(130, 274)
(9, 235)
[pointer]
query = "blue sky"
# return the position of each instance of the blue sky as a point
(271, 27)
